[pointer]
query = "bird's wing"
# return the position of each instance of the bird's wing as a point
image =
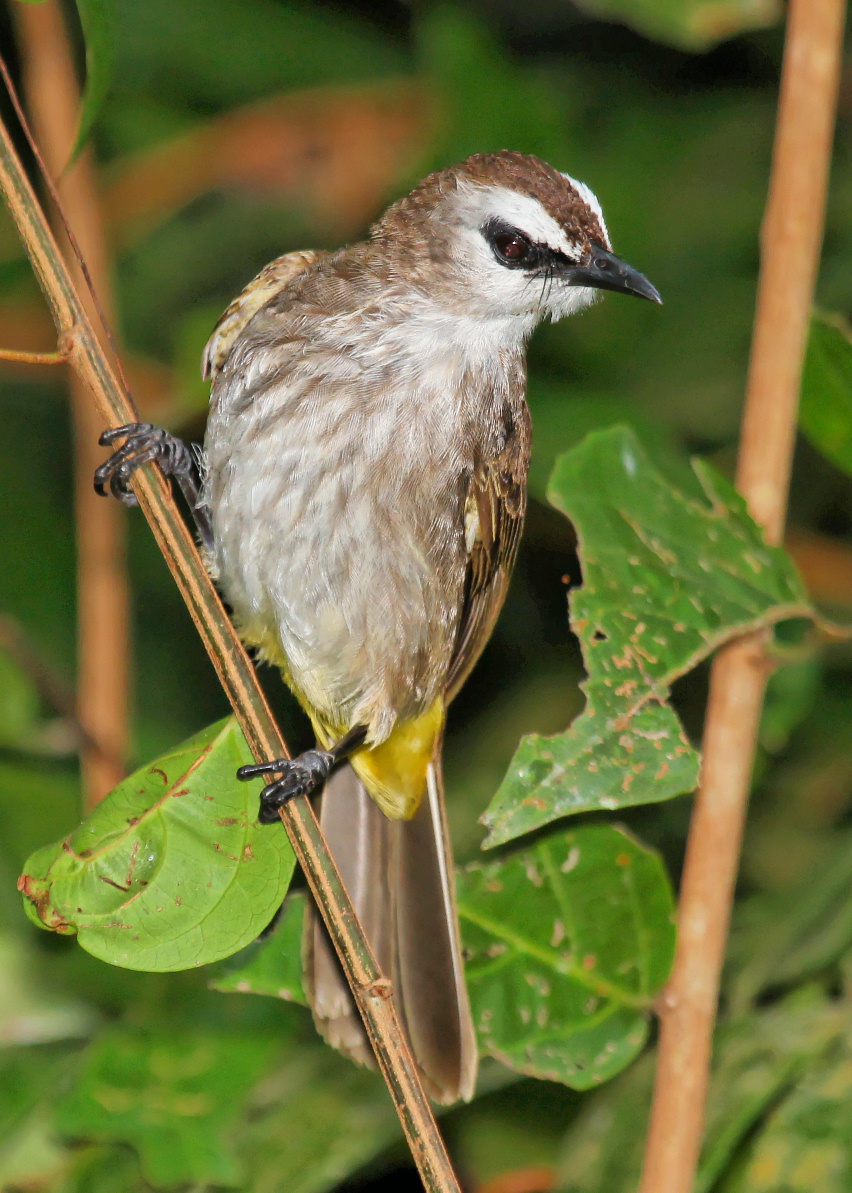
(494, 517)
(270, 281)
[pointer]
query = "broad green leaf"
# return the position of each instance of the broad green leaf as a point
(172, 870)
(98, 20)
(567, 943)
(756, 1060)
(174, 1095)
(272, 966)
(689, 24)
(666, 580)
(825, 412)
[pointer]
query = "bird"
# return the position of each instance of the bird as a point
(360, 501)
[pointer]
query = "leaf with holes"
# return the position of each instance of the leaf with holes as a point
(666, 580)
(567, 943)
(172, 869)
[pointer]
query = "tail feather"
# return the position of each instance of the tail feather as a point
(399, 875)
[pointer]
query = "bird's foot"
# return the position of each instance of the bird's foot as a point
(299, 776)
(144, 443)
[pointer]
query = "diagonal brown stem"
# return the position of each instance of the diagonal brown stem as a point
(791, 240)
(103, 600)
(234, 668)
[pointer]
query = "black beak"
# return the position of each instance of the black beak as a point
(605, 271)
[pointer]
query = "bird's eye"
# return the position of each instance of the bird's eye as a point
(511, 246)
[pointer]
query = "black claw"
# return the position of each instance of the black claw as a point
(143, 444)
(299, 776)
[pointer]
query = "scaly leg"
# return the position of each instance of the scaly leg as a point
(144, 444)
(299, 776)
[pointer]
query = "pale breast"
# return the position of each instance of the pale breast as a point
(338, 468)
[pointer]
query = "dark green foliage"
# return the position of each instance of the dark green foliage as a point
(115, 1081)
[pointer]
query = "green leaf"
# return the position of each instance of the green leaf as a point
(825, 412)
(666, 580)
(272, 966)
(170, 871)
(568, 943)
(688, 24)
(97, 18)
(173, 1095)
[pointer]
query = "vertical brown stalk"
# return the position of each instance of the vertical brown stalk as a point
(102, 595)
(790, 247)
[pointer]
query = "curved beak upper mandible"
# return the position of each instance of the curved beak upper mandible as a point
(605, 271)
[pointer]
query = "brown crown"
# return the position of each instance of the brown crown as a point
(520, 172)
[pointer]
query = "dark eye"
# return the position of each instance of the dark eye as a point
(511, 246)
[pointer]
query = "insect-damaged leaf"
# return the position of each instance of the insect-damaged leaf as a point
(567, 943)
(171, 870)
(666, 580)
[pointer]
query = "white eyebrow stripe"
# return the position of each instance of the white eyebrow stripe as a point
(591, 200)
(524, 213)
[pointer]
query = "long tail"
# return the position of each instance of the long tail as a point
(399, 875)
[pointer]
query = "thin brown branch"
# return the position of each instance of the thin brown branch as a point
(234, 668)
(33, 358)
(103, 599)
(791, 240)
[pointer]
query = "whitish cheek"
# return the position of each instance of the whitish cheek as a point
(571, 300)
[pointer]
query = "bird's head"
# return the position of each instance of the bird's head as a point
(505, 235)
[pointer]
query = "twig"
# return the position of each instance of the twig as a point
(33, 358)
(791, 240)
(103, 600)
(235, 671)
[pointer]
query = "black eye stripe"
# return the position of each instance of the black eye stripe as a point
(534, 258)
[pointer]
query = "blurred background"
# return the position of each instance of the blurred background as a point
(234, 131)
